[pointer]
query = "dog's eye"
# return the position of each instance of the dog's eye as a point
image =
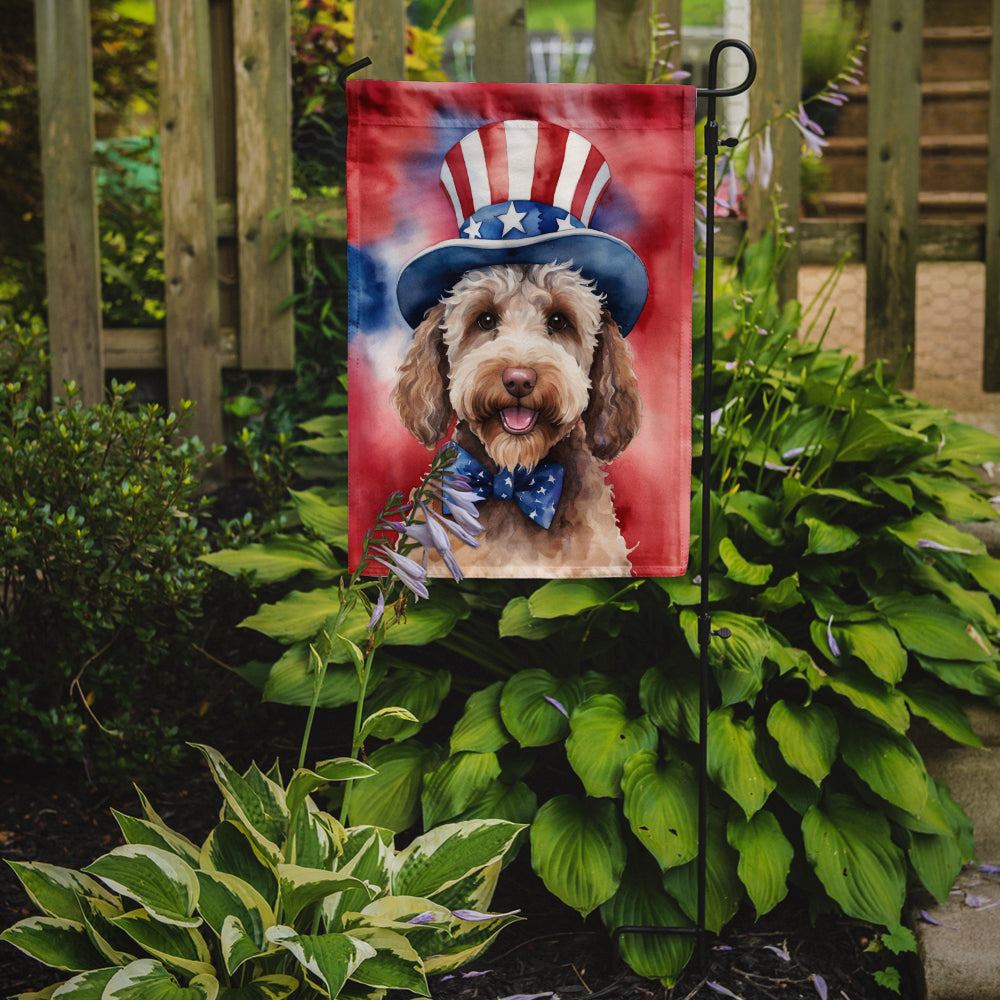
(486, 321)
(558, 322)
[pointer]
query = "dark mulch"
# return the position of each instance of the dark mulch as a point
(551, 951)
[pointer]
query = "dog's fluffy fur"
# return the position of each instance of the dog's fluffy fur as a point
(535, 370)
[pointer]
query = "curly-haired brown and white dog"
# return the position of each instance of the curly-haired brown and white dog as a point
(533, 366)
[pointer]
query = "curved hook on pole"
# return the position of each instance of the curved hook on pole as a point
(712, 90)
(349, 70)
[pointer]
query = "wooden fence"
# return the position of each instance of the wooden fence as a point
(226, 161)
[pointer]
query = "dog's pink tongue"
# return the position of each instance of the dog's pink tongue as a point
(518, 419)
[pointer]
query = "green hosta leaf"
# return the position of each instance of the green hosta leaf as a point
(732, 760)
(807, 736)
(301, 887)
(758, 511)
(304, 782)
(391, 798)
(481, 728)
(292, 680)
(976, 678)
(928, 528)
(937, 860)
(850, 848)
(765, 858)
(641, 901)
(986, 572)
(864, 691)
(683, 592)
(661, 799)
(739, 569)
(671, 700)
(876, 646)
(327, 520)
(417, 690)
(723, 889)
(279, 558)
(159, 881)
(395, 964)
(957, 501)
(147, 979)
(783, 595)
(888, 763)
(560, 598)
(828, 539)
(870, 435)
(965, 443)
(56, 891)
(387, 723)
(230, 849)
(602, 738)
(578, 851)
(517, 620)
(941, 709)
(931, 628)
(260, 806)
(738, 661)
(275, 987)
(976, 605)
(180, 948)
(54, 941)
(226, 898)
(141, 831)
(438, 859)
(516, 803)
(456, 784)
(535, 706)
(330, 959)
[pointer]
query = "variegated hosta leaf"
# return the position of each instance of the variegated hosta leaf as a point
(225, 897)
(315, 838)
(158, 880)
(147, 979)
(141, 831)
(732, 760)
(256, 801)
(476, 890)
(441, 857)
(481, 727)
(456, 784)
(177, 947)
(578, 851)
(642, 902)
(888, 763)
(304, 782)
(54, 941)
(329, 959)
(765, 858)
(56, 891)
(723, 889)
(850, 847)
(367, 853)
(466, 941)
(807, 736)
(602, 737)
(661, 805)
(98, 915)
(535, 706)
(86, 986)
(418, 691)
(274, 987)
(230, 849)
(395, 964)
(301, 887)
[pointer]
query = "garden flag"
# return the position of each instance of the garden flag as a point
(520, 286)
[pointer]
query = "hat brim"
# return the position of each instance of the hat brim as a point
(615, 268)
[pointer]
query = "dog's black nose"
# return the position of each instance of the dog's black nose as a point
(519, 382)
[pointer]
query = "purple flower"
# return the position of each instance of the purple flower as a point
(558, 705)
(820, 983)
(410, 573)
(811, 132)
(834, 648)
(456, 529)
(475, 915)
(927, 543)
(427, 917)
(780, 952)
(719, 988)
(761, 163)
(377, 611)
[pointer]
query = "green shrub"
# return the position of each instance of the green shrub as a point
(101, 584)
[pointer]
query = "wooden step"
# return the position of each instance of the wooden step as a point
(958, 206)
(956, 53)
(945, 12)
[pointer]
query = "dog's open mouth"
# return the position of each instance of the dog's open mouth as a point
(518, 419)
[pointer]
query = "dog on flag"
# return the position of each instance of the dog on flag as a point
(519, 341)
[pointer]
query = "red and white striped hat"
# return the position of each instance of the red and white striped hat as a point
(524, 192)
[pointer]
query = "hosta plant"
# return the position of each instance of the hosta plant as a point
(279, 900)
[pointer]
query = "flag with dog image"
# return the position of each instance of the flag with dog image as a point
(520, 286)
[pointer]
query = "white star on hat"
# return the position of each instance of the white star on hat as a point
(472, 229)
(564, 224)
(511, 220)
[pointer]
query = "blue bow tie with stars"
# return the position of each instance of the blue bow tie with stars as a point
(536, 493)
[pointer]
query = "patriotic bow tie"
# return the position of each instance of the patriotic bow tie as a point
(536, 492)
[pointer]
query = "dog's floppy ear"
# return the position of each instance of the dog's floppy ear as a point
(421, 391)
(613, 416)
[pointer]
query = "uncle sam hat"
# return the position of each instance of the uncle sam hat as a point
(524, 193)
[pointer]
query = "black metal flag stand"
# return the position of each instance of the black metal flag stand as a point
(705, 631)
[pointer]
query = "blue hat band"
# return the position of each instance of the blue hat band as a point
(517, 220)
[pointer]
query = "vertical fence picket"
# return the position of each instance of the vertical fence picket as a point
(380, 34)
(501, 41)
(72, 256)
(991, 332)
(190, 252)
(621, 40)
(776, 34)
(262, 64)
(892, 216)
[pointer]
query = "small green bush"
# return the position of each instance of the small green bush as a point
(99, 578)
